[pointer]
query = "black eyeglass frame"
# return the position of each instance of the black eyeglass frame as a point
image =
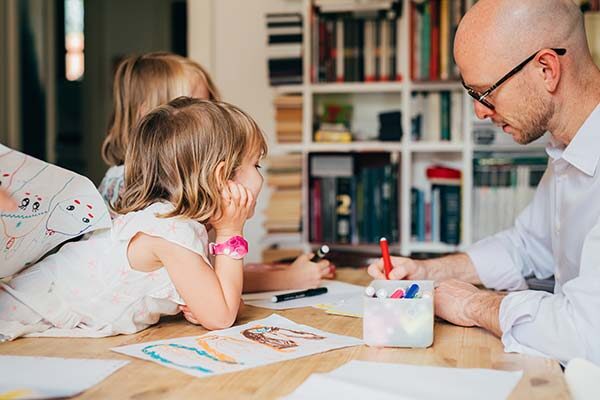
(480, 97)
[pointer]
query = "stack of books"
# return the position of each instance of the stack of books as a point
(285, 48)
(433, 26)
(437, 116)
(283, 217)
(288, 118)
(504, 185)
(356, 42)
(436, 210)
(353, 199)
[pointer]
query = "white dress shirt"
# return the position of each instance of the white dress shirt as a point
(558, 233)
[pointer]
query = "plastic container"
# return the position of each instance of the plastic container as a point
(399, 322)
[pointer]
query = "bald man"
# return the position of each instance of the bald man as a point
(527, 65)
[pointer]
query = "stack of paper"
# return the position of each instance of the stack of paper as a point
(336, 292)
(362, 380)
(49, 377)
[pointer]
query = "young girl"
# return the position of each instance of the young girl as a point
(144, 82)
(191, 165)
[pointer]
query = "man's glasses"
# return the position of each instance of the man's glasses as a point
(481, 97)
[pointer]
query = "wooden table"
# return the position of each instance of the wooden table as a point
(453, 347)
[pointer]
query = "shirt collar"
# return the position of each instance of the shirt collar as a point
(583, 152)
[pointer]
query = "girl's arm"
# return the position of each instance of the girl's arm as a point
(213, 297)
(301, 274)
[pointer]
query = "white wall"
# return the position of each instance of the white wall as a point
(238, 60)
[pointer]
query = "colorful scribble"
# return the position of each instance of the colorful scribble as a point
(278, 338)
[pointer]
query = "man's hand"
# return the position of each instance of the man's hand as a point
(463, 304)
(402, 268)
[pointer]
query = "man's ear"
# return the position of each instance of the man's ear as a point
(550, 68)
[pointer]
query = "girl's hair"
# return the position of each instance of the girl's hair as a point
(198, 76)
(142, 83)
(175, 152)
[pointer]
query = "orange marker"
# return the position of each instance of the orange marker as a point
(385, 252)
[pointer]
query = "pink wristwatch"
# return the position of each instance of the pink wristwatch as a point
(235, 247)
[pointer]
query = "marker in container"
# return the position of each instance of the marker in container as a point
(298, 295)
(385, 252)
(412, 291)
(321, 252)
(381, 294)
(370, 291)
(398, 294)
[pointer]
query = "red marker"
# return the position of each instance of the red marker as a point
(398, 294)
(385, 252)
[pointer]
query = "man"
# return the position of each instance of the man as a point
(555, 87)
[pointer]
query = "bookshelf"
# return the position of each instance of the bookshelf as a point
(409, 154)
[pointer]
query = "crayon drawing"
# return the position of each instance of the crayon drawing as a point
(54, 205)
(257, 343)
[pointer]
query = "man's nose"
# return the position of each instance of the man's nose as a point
(481, 111)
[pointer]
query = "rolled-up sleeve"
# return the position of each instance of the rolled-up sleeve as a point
(503, 260)
(562, 325)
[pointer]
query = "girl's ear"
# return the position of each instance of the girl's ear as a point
(220, 177)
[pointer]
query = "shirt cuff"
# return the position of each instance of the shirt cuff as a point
(495, 266)
(515, 309)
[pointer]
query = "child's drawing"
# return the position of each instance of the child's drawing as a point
(278, 338)
(47, 212)
(251, 345)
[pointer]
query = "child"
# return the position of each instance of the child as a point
(144, 82)
(191, 165)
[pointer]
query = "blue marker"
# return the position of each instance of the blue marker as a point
(412, 291)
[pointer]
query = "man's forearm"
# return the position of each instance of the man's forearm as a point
(455, 266)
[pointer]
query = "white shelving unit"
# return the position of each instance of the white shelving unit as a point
(404, 151)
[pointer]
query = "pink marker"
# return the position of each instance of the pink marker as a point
(398, 294)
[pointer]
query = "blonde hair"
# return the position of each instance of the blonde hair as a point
(142, 83)
(175, 152)
(199, 77)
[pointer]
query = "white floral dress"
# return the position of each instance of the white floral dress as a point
(88, 288)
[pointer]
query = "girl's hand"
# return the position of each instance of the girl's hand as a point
(7, 203)
(304, 274)
(238, 205)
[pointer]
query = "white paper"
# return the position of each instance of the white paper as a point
(336, 291)
(381, 380)
(254, 344)
(54, 205)
(49, 377)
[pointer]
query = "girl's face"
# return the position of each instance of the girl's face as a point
(248, 174)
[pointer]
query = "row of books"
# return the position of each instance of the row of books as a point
(288, 118)
(285, 181)
(436, 210)
(503, 186)
(356, 47)
(284, 51)
(437, 116)
(352, 204)
(433, 26)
